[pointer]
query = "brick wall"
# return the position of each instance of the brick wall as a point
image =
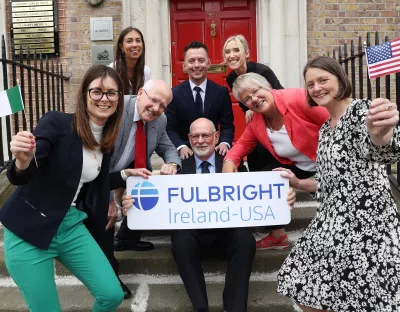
(331, 23)
(77, 39)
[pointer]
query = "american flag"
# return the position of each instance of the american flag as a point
(383, 59)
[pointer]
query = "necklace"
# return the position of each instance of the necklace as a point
(269, 126)
(98, 163)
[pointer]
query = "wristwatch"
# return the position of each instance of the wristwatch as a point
(178, 168)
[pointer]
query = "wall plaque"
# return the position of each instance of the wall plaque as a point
(101, 28)
(34, 24)
(102, 54)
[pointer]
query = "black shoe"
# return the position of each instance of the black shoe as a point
(126, 290)
(123, 245)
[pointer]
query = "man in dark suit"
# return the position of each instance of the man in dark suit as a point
(189, 247)
(199, 97)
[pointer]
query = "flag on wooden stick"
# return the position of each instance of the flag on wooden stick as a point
(383, 59)
(10, 101)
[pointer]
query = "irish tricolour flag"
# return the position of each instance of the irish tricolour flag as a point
(10, 101)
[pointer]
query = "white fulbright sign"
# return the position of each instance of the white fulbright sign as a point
(216, 200)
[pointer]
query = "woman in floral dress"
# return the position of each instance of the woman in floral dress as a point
(348, 258)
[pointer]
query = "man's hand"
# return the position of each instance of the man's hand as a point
(168, 169)
(185, 152)
(222, 149)
(112, 214)
(127, 202)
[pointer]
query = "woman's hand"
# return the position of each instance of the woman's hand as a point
(291, 197)
(288, 174)
(22, 146)
(127, 203)
(381, 119)
(141, 172)
(249, 116)
(229, 166)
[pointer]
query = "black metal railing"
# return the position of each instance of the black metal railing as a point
(42, 90)
(387, 86)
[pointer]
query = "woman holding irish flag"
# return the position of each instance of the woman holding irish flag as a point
(44, 218)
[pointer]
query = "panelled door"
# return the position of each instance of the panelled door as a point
(212, 22)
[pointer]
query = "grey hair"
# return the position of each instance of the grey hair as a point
(249, 81)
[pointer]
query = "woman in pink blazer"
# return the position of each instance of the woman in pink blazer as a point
(286, 126)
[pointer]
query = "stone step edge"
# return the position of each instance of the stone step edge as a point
(138, 279)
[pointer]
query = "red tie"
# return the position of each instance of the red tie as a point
(140, 146)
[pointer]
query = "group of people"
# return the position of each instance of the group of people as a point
(319, 138)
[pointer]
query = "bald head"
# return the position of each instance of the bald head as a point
(153, 99)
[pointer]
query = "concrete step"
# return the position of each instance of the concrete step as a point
(160, 260)
(155, 294)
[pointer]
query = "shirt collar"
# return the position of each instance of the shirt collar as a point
(203, 85)
(136, 115)
(211, 160)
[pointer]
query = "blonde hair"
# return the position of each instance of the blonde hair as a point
(241, 43)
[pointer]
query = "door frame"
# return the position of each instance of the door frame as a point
(289, 31)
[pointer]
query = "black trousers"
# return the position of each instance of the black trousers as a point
(237, 245)
(124, 233)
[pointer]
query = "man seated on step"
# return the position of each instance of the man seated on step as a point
(189, 247)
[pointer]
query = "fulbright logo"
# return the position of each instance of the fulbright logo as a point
(145, 195)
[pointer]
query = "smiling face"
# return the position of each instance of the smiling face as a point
(322, 86)
(196, 64)
(101, 109)
(132, 45)
(203, 138)
(153, 101)
(258, 100)
(235, 58)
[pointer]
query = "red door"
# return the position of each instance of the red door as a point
(212, 22)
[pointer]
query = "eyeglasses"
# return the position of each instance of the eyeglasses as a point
(97, 95)
(249, 98)
(205, 136)
(155, 102)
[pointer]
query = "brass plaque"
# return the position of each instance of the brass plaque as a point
(36, 40)
(30, 14)
(217, 69)
(32, 9)
(34, 26)
(33, 30)
(33, 19)
(43, 24)
(31, 3)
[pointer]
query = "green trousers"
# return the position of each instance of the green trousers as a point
(32, 269)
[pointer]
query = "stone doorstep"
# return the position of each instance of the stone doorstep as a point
(160, 260)
(162, 297)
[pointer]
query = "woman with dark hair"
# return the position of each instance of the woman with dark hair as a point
(70, 183)
(285, 126)
(348, 258)
(130, 60)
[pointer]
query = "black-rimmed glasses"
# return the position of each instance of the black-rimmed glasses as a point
(97, 95)
(155, 102)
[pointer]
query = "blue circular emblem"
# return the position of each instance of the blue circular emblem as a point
(145, 195)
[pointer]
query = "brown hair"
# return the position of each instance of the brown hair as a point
(137, 80)
(81, 116)
(332, 66)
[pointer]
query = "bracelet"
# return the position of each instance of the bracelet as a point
(112, 201)
(225, 160)
(173, 164)
(123, 175)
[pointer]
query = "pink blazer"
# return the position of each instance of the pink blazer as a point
(302, 123)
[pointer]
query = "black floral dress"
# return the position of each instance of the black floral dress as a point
(348, 258)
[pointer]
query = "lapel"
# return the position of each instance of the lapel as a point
(208, 99)
(188, 96)
(218, 163)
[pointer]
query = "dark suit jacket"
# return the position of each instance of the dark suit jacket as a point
(43, 196)
(189, 165)
(181, 112)
(257, 68)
